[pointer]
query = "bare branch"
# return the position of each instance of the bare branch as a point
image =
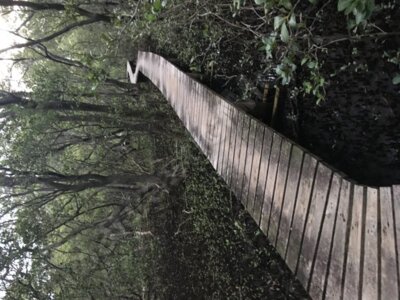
(53, 6)
(53, 35)
(26, 21)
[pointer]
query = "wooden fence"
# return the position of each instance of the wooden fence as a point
(341, 239)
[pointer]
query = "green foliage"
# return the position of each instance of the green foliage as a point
(360, 9)
(316, 83)
(286, 70)
(268, 4)
(394, 58)
(213, 248)
(269, 44)
(153, 9)
(286, 26)
(81, 242)
(237, 4)
(396, 79)
(289, 29)
(74, 144)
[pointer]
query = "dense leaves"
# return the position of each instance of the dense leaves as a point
(104, 197)
(350, 70)
(217, 249)
(92, 167)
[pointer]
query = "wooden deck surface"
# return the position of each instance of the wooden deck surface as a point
(341, 239)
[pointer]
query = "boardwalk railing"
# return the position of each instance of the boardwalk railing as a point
(341, 239)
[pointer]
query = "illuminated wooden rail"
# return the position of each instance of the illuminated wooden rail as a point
(341, 239)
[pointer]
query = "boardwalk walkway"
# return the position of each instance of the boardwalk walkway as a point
(341, 239)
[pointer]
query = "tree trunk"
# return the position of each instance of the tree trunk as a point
(54, 6)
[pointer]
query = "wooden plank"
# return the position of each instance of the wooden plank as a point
(212, 136)
(199, 113)
(217, 134)
(300, 211)
(202, 120)
(194, 95)
(191, 113)
(389, 275)
(171, 87)
(164, 67)
(242, 156)
(263, 173)
(143, 65)
(270, 185)
(178, 109)
(320, 268)
(180, 103)
(154, 69)
(371, 257)
(156, 63)
(211, 123)
(279, 192)
(227, 148)
(236, 159)
(314, 221)
(205, 125)
(196, 107)
(232, 144)
(174, 87)
(130, 71)
(249, 160)
(232, 155)
(296, 161)
(255, 168)
(183, 99)
(189, 99)
(224, 119)
(338, 252)
(208, 124)
(353, 264)
(188, 104)
(396, 216)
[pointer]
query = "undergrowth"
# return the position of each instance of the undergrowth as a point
(211, 248)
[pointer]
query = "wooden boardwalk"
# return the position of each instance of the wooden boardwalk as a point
(340, 238)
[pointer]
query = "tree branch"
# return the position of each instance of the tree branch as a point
(53, 6)
(53, 35)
